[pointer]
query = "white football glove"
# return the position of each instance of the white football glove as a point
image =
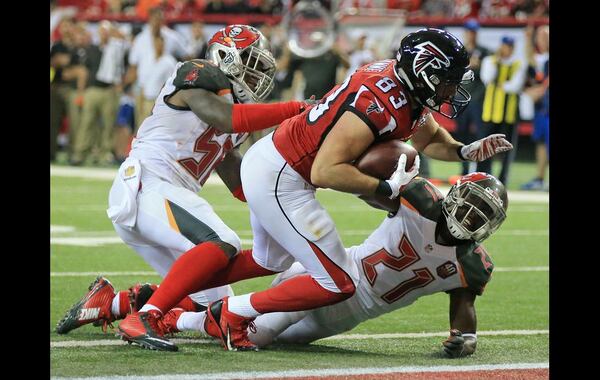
(485, 148)
(401, 177)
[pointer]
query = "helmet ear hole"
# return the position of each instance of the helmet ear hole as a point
(221, 54)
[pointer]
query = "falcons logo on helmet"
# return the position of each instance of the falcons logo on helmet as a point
(429, 55)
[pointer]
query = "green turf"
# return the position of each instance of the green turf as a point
(512, 300)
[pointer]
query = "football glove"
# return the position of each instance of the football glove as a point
(401, 177)
(485, 148)
(139, 294)
(458, 345)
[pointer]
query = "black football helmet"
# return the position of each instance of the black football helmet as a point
(475, 206)
(433, 64)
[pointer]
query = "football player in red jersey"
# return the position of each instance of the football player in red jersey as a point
(431, 244)
(200, 116)
(384, 100)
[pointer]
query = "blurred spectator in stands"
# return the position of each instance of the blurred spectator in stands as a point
(361, 54)
(495, 8)
(523, 9)
(143, 7)
(56, 15)
(198, 40)
(539, 93)
(319, 73)
(440, 8)
(226, 6)
(67, 81)
(466, 8)
(469, 122)
(503, 74)
(63, 75)
(142, 57)
(105, 65)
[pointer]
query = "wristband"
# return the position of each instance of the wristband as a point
(459, 153)
(383, 188)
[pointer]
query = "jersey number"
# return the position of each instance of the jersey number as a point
(385, 84)
(211, 149)
(408, 256)
(316, 112)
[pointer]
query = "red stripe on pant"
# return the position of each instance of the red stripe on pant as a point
(304, 292)
(341, 279)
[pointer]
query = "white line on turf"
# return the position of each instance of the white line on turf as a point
(325, 372)
(109, 174)
(150, 273)
(56, 229)
(116, 342)
(97, 241)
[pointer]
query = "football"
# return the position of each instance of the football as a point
(380, 161)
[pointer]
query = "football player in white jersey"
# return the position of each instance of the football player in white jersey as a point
(204, 111)
(430, 244)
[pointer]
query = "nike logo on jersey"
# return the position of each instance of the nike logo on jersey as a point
(86, 314)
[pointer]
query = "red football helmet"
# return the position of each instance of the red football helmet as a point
(243, 53)
(475, 206)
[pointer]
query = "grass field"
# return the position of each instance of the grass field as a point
(83, 243)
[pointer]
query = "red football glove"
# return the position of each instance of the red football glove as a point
(485, 148)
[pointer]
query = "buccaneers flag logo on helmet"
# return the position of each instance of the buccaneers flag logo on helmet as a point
(429, 55)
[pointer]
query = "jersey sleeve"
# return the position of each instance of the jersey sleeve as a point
(476, 265)
(199, 73)
(424, 198)
(369, 108)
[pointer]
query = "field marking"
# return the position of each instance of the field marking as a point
(56, 229)
(324, 372)
(98, 241)
(117, 342)
(109, 174)
(150, 273)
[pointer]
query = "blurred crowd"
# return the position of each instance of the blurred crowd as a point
(104, 80)
(519, 9)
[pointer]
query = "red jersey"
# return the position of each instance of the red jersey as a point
(373, 93)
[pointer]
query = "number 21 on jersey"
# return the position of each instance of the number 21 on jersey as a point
(408, 256)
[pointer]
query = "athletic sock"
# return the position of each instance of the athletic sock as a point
(190, 321)
(120, 305)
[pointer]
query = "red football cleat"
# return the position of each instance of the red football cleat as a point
(94, 307)
(146, 329)
(170, 320)
(230, 328)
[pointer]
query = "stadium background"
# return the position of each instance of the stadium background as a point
(81, 235)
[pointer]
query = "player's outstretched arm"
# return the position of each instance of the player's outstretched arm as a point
(229, 171)
(234, 118)
(437, 143)
(463, 324)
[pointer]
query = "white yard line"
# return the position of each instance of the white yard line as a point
(325, 372)
(109, 174)
(150, 273)
(98, 241)
(118, 342)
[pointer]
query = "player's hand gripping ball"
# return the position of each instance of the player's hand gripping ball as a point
(380, 161)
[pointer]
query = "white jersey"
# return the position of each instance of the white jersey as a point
(400, 262)
(177, 146)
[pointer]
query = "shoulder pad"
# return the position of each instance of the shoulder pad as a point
(200, 73)
(477, 266)
(421, 196)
